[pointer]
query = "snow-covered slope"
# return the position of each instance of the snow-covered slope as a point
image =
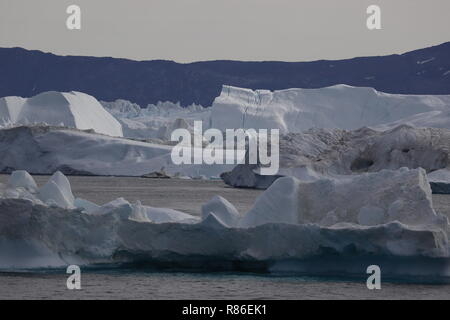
(289, 228)
(341, 106)
(69, 109)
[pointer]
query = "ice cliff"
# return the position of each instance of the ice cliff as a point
(336, 107)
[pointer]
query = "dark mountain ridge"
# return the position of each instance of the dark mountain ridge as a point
(27, 73)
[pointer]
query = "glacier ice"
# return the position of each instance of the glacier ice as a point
(57, 191)
(222, 210)
(155, 121)
(86, 205)
(69, 109)
(367, 199)
(322, 153)
(440, 181)
(371, 215)
(45, 150)
(291, 111)
(22, 179)
(442, 175)
(336, 107)
(280, 204)
(160, 215)
(289, 225)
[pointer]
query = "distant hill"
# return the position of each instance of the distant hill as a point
(26, 73)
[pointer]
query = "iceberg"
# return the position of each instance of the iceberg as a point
(294, 234)
(22, 179)
(368, 199)
(45, 150)
(336, 154)
(155, 121)
(336, 107)
(57, 191)
(291, 111)
(222, 211)
(70, 109)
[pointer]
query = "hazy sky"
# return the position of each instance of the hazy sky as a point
(192, 30)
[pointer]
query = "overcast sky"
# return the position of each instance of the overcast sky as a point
(193, 30)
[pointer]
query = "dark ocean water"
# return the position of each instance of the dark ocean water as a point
(132, 284)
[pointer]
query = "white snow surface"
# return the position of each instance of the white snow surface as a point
(289, 222)
(69, 109)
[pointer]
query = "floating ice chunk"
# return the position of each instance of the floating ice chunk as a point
(22, 179)
(223, 210)
(57, 191)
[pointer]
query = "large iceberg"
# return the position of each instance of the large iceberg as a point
(318, 153)
(291, 111)
(336, 107)
(280, 234)
(307, 155)
(69, 109)
(45, 150)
